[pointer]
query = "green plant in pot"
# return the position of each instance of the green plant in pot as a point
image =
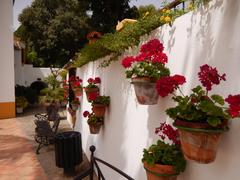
(201, 117)
(145, 69)
(21, 104)
(92, 87)
(94, 122)
(99, 104)
(164, 160)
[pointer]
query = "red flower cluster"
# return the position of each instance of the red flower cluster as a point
(93, 95)
(234, 102)
(152, 51)
(209, 76)
(166, 130)
(86, 114)
(153, 46)
(168, 84)
(127, 61)
(97, 80)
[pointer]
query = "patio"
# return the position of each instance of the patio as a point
(17, 151)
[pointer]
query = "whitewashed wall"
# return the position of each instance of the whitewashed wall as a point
(25, 74)
(6, 52)
(205, 36)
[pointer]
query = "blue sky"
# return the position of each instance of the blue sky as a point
(21, 4)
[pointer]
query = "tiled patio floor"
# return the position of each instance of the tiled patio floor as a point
(18, 160)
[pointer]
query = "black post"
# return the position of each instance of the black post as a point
(92, 149)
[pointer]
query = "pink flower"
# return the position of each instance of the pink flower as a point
(127, 61)
(209, 76)
(97, 80)
(86, 114)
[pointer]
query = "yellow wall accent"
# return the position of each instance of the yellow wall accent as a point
(7, 110)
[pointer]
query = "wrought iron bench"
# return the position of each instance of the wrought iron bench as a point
(90, 171)
(44, 132)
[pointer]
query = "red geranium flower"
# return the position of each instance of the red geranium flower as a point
(90, 80)
(159, 57)
(97, 80)
(127, 61)
(93, 95)
(209, 76)
(168, 84)
(153, 46)
(86, 114)
(234, 105)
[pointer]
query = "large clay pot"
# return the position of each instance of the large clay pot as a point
(160, 172)
(89, 91)
(199, 143)
(145, 90)
(99, 109)
(95, 128)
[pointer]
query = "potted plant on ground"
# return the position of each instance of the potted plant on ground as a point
(94, 122)
(92, 87)
(164, 161)
(145, 69)
(99, 104)
(200, 117)
(75, 104)
(21, 104)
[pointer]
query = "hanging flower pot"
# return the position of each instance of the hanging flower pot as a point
(75, 107)
(78, 91)
(145, 90)
(75, 104)
(199, 142)
(99, 109)
(91, 93)
(95, 128)
(160, 172)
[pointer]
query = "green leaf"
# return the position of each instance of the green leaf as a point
(197, 89)
(218, 99)
(214, 121)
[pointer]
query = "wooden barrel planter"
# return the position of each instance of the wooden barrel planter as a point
(99, 109)
(145, 90)
(88, 92)
(95, 128)
(160, 172)
(198, 142)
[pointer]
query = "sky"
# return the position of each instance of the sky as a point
(21, 4)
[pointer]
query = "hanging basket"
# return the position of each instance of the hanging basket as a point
(160, 172)
(99, 109)
(95, 128)
(89, 91)
(78, 91)
(198, 142)
(145, 90)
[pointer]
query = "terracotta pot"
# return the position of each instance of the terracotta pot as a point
(145, 90)
(199, 142)
(160, 172)
(99, 109)
(95, 128)
(78, 91)
(89, 91)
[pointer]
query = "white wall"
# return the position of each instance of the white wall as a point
(204, 36)
(25, 74)
(6, 52)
